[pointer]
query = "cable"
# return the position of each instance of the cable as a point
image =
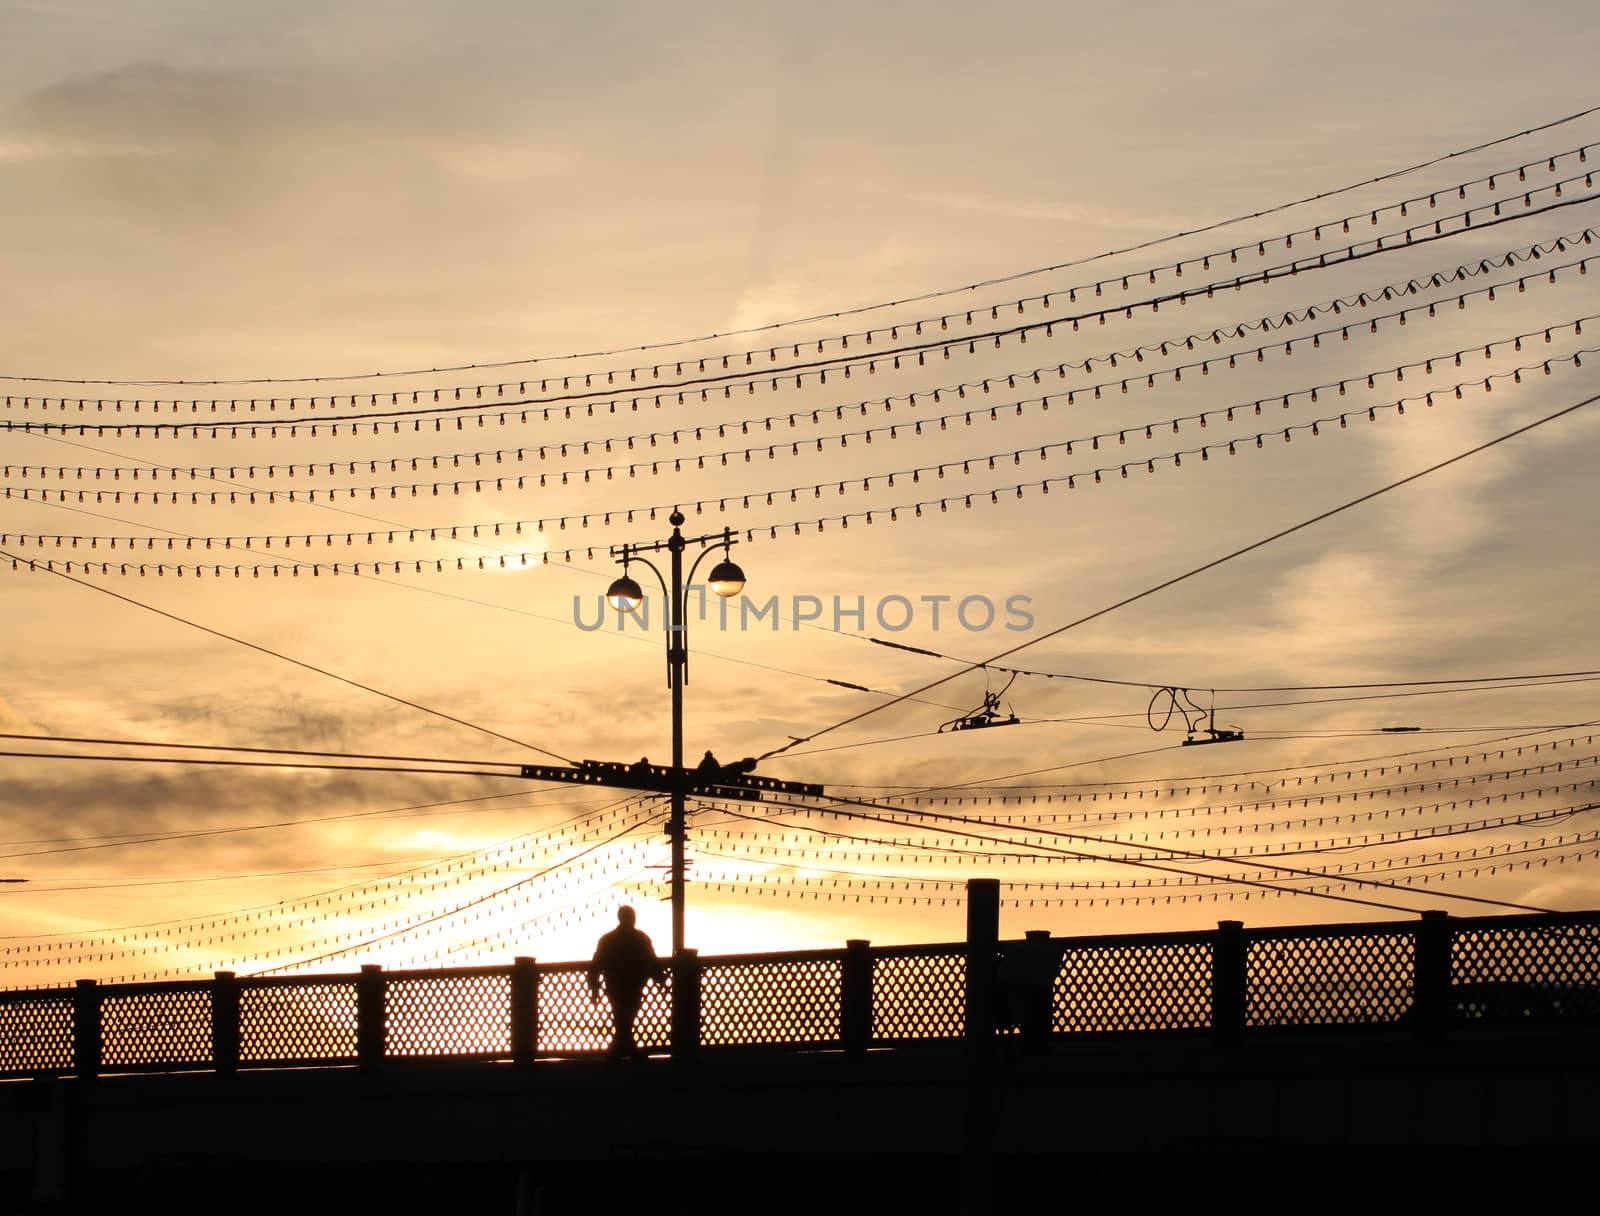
(299, 663)
(1166, 850)
(1354, 502)
(1210, 687)
(271, 751)
(1216, 225)
(905, 852)
(818, 367)
(469, 904)
(296, 764)
(1237, 330)
(148, 881)
(722, 504)
(1004, 795)
(1141, 863)
(100, 948)
(589, 820)
(1511, 683)
(1350, 765)
(401, 812)
(674, 464)
(465, 599)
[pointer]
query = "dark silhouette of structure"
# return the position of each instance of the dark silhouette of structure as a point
(872, 1078)
(625, 959)
(1026, 976)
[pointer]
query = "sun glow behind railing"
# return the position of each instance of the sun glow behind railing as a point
(1510, 971)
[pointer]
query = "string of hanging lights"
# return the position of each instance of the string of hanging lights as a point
(153, 471)
(1399, 208)
(683, 388)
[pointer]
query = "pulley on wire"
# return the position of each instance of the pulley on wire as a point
(988, 714)
(1200, 722)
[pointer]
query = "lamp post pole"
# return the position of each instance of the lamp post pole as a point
(677, 670)
(625, 595)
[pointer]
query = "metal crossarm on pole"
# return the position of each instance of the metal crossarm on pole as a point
(771, 785)
(725, 781)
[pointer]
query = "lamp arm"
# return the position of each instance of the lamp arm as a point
(660, 579)
(704, 553)
(666, 598)
(724, 542)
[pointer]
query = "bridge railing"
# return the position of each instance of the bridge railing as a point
(1424, 976)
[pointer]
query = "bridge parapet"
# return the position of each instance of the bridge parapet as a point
(1425, 976)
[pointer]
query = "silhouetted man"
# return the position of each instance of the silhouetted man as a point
(626, 959)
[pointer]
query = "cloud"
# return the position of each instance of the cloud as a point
(12, 720)
(239, 131)
(1068, 216)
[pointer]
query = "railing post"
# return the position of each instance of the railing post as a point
(1228, 979)
(524, 1012)
(1043, 961)
(685, 1004)
(983, 940)
(371, 1031)
(86, 1038)
(855, 997)
(1430, 995)
(983, 943)
(225, 1022)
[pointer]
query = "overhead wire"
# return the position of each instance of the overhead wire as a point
(1210, 686)
(553, 449)
(475, 902)
(817, 367)
(270, 751)
(1154, 242)
(397, 812)
(731, 501)
(172, 616)
(908, 852)
(1143, 864)
(1204, 779)
(612, 809)
(1166, 850)
(897, 698)
(173, 933)
(1197, 570)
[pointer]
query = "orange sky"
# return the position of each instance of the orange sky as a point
(272, 209)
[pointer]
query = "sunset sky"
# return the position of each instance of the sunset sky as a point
(241, 217)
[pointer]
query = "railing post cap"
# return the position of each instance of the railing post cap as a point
(224, 975)
(1037, 935)
(370, 968)
(523, 960)
(88, 983)
(856, 943)
(1435, 914)
(1230, 925)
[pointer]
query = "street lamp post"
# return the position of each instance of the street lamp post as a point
(624, 594)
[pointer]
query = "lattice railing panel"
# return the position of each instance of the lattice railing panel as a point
(1142, 987)
(297, 1023)
(1526, 973)
(35, 1035)
(155, 1027)
(568, 1022)
(776, 1003)
(919, 996)
(1329, 980)
(449, 1015)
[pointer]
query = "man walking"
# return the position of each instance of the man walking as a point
(626, 959)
